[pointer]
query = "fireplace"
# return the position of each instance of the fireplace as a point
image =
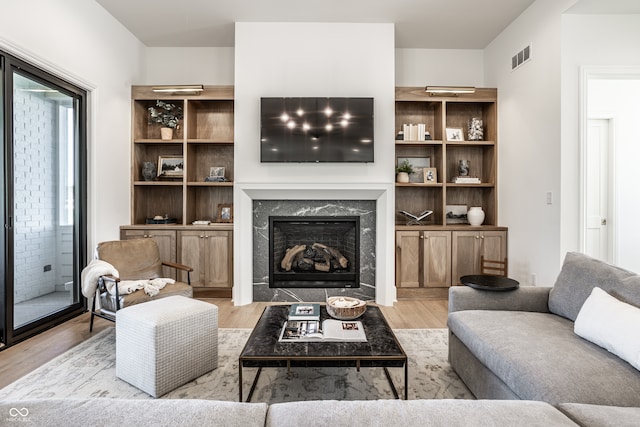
(314, 251)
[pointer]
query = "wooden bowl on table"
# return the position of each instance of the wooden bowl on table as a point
(345, 308)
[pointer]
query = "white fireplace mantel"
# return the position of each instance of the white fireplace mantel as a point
(246, 193)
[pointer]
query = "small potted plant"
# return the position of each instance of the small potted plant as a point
(403, 171)
(166, 114)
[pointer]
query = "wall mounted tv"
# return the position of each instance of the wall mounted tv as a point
(316, 130)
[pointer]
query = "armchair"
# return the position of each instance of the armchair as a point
(135, 259)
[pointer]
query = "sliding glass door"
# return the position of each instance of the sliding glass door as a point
(44, 199)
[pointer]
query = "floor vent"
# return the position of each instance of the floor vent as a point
(521, 57)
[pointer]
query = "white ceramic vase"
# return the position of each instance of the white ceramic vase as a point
(402, 177)
(166, 133)
(475, 215)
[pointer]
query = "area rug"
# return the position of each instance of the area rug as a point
(88, 371)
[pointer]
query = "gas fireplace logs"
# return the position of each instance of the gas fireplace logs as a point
(318, 257)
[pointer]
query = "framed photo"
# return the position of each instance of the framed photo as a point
(418, 163)
(225, 212)
(430, 175)
(217, 171)
(455, 134)
(171, 166)
(456, 214)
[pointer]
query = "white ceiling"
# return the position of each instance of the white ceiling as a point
(432, 24)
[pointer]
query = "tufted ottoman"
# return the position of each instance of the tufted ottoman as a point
(165, 343)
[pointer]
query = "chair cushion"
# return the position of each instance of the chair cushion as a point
(108, 301)
(134, 259)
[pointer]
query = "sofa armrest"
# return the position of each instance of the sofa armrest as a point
(525, 298)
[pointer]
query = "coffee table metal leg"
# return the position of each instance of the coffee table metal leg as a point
(393, 386)
(253, 386)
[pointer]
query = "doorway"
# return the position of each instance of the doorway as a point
(610, 147)
(44, 199)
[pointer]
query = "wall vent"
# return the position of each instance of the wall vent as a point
(521, 57)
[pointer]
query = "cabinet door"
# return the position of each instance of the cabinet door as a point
(494, 245)
(191, 252)
(408, 263)
(218, 259)
(465, 254)
(166, 241)
(436, 259)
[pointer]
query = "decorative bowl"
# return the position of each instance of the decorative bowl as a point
(345, 308)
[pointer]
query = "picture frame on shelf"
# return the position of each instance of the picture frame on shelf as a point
(216, 171)
(456, 214)
(170, 166)
(418, 164)
(225, 212)
(454, 134)
(430, 175)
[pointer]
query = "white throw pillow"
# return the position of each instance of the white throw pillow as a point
(611, 324)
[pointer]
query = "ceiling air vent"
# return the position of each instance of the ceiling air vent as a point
(521, 57)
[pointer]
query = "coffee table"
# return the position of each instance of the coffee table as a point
(263, 350)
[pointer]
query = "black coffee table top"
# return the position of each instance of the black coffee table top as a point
(489, 282)
(263, 348)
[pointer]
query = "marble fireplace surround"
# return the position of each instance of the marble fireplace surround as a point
(383, 288)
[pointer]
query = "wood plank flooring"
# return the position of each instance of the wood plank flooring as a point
(26, 356)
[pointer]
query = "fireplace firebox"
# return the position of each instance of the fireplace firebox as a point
(314, 252)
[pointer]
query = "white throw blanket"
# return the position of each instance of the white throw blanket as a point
(96, 268)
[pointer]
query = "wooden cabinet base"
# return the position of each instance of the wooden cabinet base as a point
(199, 292)
(422, 293)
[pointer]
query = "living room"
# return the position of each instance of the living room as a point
(539, 113)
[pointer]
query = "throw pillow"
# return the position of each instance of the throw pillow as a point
(611, 324)
(580, 274)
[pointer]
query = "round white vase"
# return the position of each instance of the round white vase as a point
(475, 215)
(402, 177)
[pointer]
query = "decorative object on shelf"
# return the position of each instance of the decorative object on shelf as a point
(476, 131)
(217, 171)
(225, 212)
(345, 308)
(201, 222)
(149, 172)
(417, 132)
(475, 215)
(159, 219)
(466, 180)
(166, 114)
(463, 167)
(171, 166)
(456, 214)
(455, 134)
(417, 166)
(403, 170)
(416, 219)
(430, 175)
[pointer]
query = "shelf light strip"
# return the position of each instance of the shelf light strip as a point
(181, 89)
(449, 89)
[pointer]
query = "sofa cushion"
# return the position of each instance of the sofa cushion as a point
(601, 416)
(441, 412)
(539, 357)
(580, 274)
(611, 324)
(132, 412)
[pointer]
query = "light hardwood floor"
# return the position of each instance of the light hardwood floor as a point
(26, 356)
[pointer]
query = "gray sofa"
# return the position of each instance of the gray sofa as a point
(521, 344)
(166, 412)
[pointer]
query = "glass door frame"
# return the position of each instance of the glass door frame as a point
(10, 65)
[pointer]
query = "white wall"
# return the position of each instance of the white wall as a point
(78, 40)
(530, 139)
(311, 59)
(440, 67)
(613, 47)
(189, 65)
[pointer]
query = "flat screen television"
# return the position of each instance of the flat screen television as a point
(316, 130)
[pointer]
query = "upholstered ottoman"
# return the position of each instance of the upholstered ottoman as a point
(163, 344)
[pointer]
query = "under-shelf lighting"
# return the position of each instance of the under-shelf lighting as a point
(455, 90)
(179, 89)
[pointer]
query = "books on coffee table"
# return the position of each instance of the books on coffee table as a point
(328, 330)
(304, 311)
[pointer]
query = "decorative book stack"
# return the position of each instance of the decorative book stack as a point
(466, 180)
(415, 132)
(304, 311)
